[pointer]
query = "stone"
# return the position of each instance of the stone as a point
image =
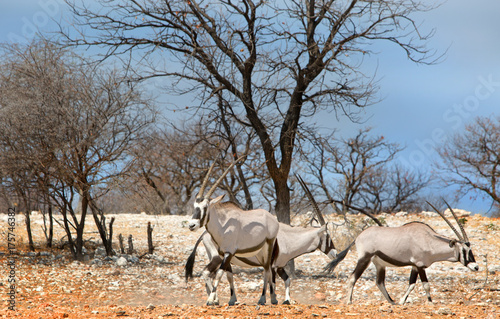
(122, 261)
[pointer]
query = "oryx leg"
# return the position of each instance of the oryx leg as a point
(230, 279)
(413, 280)
(209, 273)
(226, 263)
(268, 280)
(381, 282)
(425, 283)
(282, 273)
(268, 276)
(361, 266)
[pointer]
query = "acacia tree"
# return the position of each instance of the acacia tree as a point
(274, 61)
(70, 123)
(392, 188)
(171, 163)
(358, 172)
(470, 159)
(351, 162)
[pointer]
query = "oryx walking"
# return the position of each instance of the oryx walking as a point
(292, 242)
(414, 244)
(236, 232)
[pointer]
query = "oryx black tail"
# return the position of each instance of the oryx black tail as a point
(188, 268)
(331, 265)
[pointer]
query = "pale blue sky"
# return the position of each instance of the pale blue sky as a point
(419, 102)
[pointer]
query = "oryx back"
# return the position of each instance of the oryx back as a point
(406, 245)
(241, 232)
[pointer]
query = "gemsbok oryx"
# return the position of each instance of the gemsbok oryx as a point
(292, 242)
(236, 232)
(414, 244)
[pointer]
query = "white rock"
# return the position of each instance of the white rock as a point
(122, 261)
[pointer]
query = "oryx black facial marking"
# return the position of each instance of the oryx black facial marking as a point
(326, 245)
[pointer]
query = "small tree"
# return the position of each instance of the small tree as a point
(358, 172)
(470, 159)
(72, 123)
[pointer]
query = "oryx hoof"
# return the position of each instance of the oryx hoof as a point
(261, 302)
(286, 302)
(232, 303)
(212, 303)
(274, 302)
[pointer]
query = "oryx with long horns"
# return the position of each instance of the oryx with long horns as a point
(292, 242)
(414, 244)
(236, 232)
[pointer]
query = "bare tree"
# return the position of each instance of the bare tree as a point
(81, 119)
(171, 162)
(343, 166)
(392, 188)
(359, 173)
(470, 159)
(275, 62)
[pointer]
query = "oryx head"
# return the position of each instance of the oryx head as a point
(465, 255)
(202, 202)
(462, 245)
(326, 242)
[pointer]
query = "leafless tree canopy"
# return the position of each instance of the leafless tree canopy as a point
(65, 127)
(272, 61)
(359, 172)
(172, 161)
(471, 159)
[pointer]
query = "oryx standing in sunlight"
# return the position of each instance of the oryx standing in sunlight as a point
(236, 232)
(292, 242)
(414, 244)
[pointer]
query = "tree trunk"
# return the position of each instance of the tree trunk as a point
(81, 226)
(48, 230)
(130, 249)
(50, 235)
(150, 238)
(71, 243)
(27, 215)
(282, 201)
(109, 242)
(120, 241)
(101, 227)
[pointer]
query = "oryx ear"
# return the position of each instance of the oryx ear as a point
(217, 199)
(452, 243)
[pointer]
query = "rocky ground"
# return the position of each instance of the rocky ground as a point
(139, 285)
